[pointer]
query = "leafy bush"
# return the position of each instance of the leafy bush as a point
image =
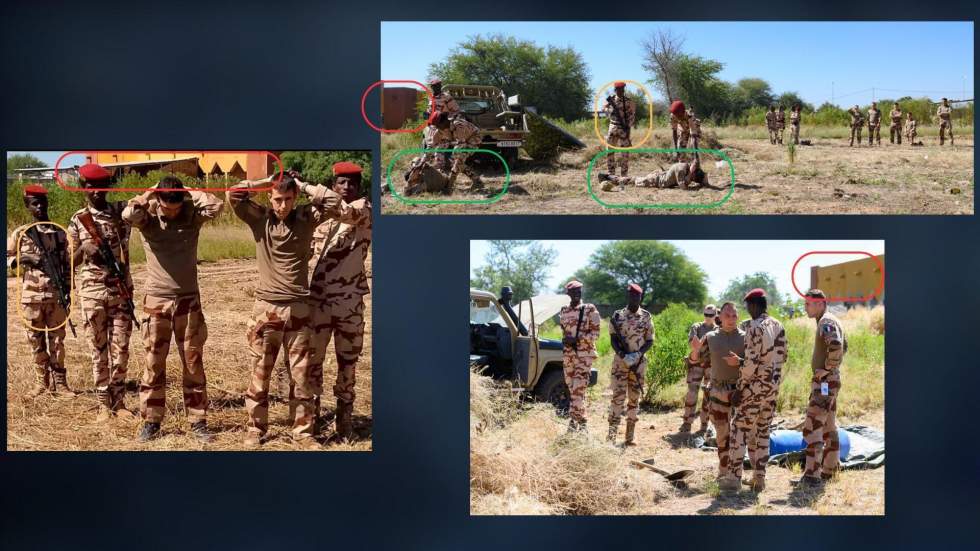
(665, 361)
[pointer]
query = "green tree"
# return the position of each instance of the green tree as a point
(737, 288)
(789, 99)
(700, 87)
(665, 361)
(666, 274)
(754, 92)
(317, 166)
(22, 160)
(553, 79)
(522, 265)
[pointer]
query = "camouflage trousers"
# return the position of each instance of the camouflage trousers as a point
(108, 327)
(625, 386)
(48, 347)
(577, 365)
(944, 128)
(620, 138)
(340, 318)
(820, 428)
(179, 319)
(779, 134)
(856, 132)
(721, 411)
(753, 417)
(772, 134)
(683, 138)
(697, 378)
(895, 132)
(794, 131)
(874, 133)
(273, 326)
(459, 165)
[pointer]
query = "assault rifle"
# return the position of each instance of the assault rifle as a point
(56, 273)
(116, 272)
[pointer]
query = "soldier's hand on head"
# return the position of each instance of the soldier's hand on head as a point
(294, 174)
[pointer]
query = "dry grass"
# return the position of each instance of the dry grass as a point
(887, 180)
(227, 287)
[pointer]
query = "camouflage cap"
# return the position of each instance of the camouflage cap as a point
(573, 284)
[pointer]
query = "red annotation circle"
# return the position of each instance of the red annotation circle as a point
(432, 108)
(63, 186)
(877, 291)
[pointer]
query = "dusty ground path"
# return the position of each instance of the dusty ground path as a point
(227, 290)
(826, 178)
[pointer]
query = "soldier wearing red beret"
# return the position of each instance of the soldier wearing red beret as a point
(682, 118)
(107, 320)
(40, 303)
(580, 323)
(631, 335)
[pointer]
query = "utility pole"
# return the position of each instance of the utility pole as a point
(832, 100)
(873, 99)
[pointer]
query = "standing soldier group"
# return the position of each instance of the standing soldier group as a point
(895, 130)
(291, 311)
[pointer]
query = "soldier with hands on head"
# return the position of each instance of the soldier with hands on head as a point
(631, 336)
(45, 287)
(723, 397)
(857, 123)
(944, 114)
(105, 287)
(282, 314)
(698, 372)
(621, 111)
(874, 124)
(760, 372)
(169, 219)
(820, 427)
(580, 323)
(895, 128)
(338, 283)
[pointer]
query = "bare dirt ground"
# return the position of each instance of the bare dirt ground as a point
(643, 492)
(227, 289)
(828, 177)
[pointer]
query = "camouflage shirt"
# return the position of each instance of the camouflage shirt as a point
(35, 285)
(621, 112)
(697, 331)
(94, 280)
(794, 118)
(588, 332)
(780, 119)
(944, 112)
(340, 247)
(445, 103)
(874, 117)
(896, 116)
(464, 134)
(770, 119)
(171, 245)
(765, 351)
(857, 118)
(829, 347)
(635, 329)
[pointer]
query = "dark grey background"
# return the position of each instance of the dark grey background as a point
(284, 75)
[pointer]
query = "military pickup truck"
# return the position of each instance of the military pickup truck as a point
(499, 349)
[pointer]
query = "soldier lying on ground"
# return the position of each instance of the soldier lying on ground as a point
(683, 175)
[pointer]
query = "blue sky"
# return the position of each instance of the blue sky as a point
(51, 157)
(918, 58)
(723, 260)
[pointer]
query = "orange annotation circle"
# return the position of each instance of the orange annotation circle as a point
(595, 115)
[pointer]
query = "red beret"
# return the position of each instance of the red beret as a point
(93, 171)
(619, 84)
(677, 107)
(346, 168)
(35, 190)
(754, 293)
(634, 288)
(573, 284)
(435, 81)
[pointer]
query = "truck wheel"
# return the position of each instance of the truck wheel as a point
(552, 389)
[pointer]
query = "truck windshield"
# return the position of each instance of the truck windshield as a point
(474, 106)
(483, 311)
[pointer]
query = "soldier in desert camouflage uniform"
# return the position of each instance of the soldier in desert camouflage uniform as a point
(338, 283)
(631, 335)
(944, 114)
(723, 398)
(170, 223)
(874, 124)
(444, 103)
(911, 126)
(820, 427)
(760, 372)
(107, 322)
(684, 175)
(794, 123)
(580, 323)
(683, 127)
(771, 124)
(895, 128)
(458, 133)
(857, 123)
(621, 111)
(698, 376)
(282, 313)
(780, 122)
(39, 297)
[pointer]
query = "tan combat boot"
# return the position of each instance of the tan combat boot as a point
(344, 422)
(685, 428)
(611, 435)
(758, 484)
(105, 406)
(630, 429)
(59, 381)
